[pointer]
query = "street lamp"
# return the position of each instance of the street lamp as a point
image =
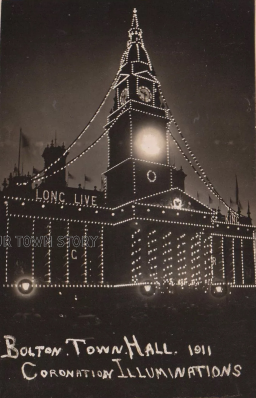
(219, 290)
(25, 286)
(148, 289)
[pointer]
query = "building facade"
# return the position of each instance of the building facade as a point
(142, 228)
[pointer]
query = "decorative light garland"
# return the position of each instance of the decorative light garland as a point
(233, 260)
(82, 153)
(67, 253)
(85, 263)
(151, 172)
(33, 252)
(35, 178)
(49, 233)
(102, 255)
(242, 260)
(7, 234)
(136, 256)
(208, 183)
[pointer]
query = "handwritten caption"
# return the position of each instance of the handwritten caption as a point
(130, 347)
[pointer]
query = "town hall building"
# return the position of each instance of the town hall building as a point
(141, 229)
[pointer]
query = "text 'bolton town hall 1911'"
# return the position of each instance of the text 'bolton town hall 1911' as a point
(149, 234)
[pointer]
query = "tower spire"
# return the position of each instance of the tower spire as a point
(135, 33)
(135, 22)
(135, 51)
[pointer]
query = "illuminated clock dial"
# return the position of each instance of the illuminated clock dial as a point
(124, 96)
(144, 94)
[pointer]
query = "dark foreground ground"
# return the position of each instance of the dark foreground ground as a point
(229, 328)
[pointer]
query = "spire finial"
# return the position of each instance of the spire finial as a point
(135, 22)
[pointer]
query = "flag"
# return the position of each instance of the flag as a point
(70, 176)
(24, 140)
(237, 192)
(197, 195)
(210, 200)
(86, 178)
(35, 171)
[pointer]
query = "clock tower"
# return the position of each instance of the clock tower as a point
(138, 136)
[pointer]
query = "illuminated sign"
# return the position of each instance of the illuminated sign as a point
(177, 203)
(55, 196)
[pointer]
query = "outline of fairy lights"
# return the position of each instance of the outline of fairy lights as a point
(33, 251)
(80, 154)
(208, 184)
(34, 178)
(49, 234)
(84, 255)
(138, 32)
(172, 119)
(129, 45)
(7, 234)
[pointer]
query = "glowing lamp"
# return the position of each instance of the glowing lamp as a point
(25, 286)
(219, 290)
(150, 142)
(147, 290)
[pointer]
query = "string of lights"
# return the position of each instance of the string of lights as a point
(204, 176)
(81, 153)
(35, 178)
(48, 264)
(33, 252)
(209, 186)
(135, 20)
(7, 234)
(85, 255)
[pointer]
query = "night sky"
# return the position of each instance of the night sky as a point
(59, 57)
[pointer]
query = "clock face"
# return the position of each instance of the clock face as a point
(124, 96)
(144, 94)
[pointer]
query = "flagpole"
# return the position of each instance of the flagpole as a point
(237, 192)
(19, 154)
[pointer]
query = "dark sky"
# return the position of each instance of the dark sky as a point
(59, 57)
